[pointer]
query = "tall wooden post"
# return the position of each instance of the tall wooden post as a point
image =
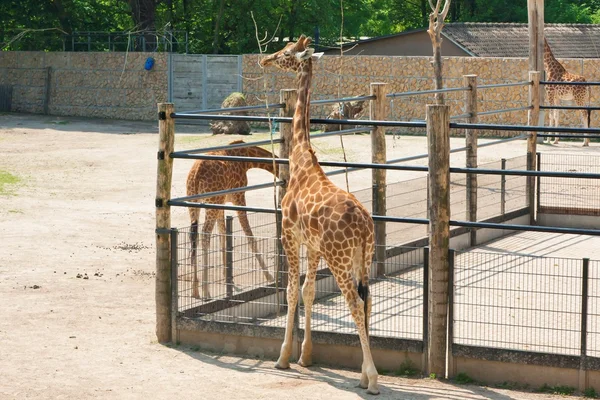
(289, 98)
(378, 110)
(438, 141)
(535, 13)
(471, 144)
(166, 133)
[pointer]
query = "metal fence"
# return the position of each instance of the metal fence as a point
(568, 195)
(239, 292)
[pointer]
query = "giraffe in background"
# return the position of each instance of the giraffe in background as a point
(556, 72)
(215, 175)
(330, 222)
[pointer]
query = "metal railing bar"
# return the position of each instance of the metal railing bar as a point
(461, 116)
(416, 93)
(572, 136)
(228, 146)
(229, 191)
(408, 124)
(343, 100)
(421, 156)
(497, 85)
(525, 128)
(419, 221)
(342, 132)
(570, 83)
(458, 170)
(569, 108)
(252, 118)
(505, 110)
(237, 109)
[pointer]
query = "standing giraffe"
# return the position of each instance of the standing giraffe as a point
(327, 220)
(556, 72)
(215, 175)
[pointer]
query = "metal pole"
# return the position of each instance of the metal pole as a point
(503, 188)
(174, 282)
(538, 181)
(584, 317)
(451, 368)
(229, 255)
(425, 305)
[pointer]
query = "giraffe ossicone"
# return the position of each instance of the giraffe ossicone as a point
(330, 222)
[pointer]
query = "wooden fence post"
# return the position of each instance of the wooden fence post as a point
(438, 129)
(289, 98)
(471, 144)
(378, 110)
(533, 117)
(166, 132)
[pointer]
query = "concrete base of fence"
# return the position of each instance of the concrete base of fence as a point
(341, 350)
(534, 376)
(567, 220)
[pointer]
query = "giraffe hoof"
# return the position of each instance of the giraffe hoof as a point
(305, 362)
(374, 391)
(282, 365)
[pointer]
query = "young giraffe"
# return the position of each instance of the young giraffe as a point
(556, 72)
(215, 175)
(327, 220)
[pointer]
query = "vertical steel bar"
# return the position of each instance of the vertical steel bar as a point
(229, 255)
(425, 304)
(174, 282)
(531, 188)
(503, 188)
(538, 182)
(584, 305)
(451, 257)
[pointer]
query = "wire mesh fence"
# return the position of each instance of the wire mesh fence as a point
(518, 302)
(569, 195)
(248, 297)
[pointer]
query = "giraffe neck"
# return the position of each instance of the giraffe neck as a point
(551, 64)
(300, 121)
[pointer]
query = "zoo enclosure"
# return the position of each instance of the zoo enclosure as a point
(276, 291)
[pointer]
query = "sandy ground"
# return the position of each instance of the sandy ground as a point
(77, 271)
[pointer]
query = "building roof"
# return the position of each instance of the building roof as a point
(512, 40)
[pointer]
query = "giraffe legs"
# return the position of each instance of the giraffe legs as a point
(292, 253)
(240, 200)
(207, 228)
(308, 296)
(357, 307)
(585, 122)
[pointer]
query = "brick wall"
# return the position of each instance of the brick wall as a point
(352, 75)
(107, 85)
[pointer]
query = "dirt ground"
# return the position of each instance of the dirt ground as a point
(77, 270)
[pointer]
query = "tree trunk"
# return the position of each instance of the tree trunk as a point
(143, 13)
(217, 27)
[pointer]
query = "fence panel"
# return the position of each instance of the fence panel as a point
(569, 195)
(518, 302)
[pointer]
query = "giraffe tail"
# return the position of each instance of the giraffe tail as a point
(363, 284)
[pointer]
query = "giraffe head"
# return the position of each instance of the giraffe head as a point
(292, 57)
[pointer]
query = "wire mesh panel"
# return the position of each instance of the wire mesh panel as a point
(237, 290)
(518, 302)
(593, 322)
(397, 298)
(569, 195)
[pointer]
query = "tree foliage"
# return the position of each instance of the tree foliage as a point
(226, 26)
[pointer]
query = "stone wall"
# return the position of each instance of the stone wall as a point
(351, 76)
(106, 85)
